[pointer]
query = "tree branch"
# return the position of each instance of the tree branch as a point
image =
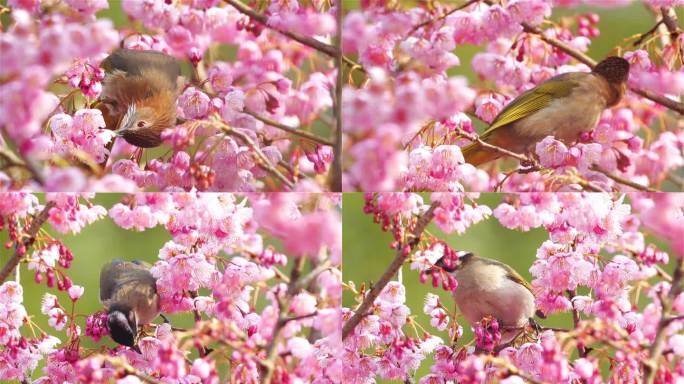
(442, 17)
(671, 22)
(392, 269)
(656, 350)
(308, 41)
(38, 221)
(336, 172)
(624, 181)
(298, 132)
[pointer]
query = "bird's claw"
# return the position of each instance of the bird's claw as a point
(528, 166)
(166, 319)
(535, 326)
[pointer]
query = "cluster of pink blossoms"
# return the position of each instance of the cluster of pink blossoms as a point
(44, 48)
(596, 245)
(215, 269)
(398, 135)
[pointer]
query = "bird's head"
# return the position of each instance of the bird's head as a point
(123, 325)
(454, 264)
(145, 120)
(614, 69)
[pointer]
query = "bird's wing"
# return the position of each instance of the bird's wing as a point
(135, 62)
(511, 273)
(515, 276)
(534, 100)
(119, 273)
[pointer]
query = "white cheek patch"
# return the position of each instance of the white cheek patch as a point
(127, 120)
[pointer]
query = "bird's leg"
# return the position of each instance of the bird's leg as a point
(501, 347)
(535, 326)
(137, 155)
(530, 165)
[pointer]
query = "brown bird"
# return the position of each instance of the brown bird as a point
(563, 106)
(129, 293)
(139, 95)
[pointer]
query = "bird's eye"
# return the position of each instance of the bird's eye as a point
(141, 124)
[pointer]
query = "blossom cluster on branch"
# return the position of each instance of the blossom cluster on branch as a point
(267, 312)
(599, 263)
(406, 118)
(274, 97)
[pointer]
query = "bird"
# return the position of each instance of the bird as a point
(563, 106)
(488, 287)
(139, 95)
(128, 292)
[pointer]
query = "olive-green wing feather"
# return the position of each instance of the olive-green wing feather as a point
(534, 100)
(135, 62)
(515, 276)
(118, 273)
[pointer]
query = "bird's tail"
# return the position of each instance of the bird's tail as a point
(475, 154)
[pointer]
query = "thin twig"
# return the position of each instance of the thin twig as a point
(308, 41)
(263, 161)
(584, 183)
(622, 180)
(36, 223)
(442, 17)
(646, 34)
(576, 322)
(306, 280)
(503, 151)
(391, 270)
(198, 319)
(298, 132)
(297, 318)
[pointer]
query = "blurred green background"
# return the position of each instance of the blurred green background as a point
(367, 255)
